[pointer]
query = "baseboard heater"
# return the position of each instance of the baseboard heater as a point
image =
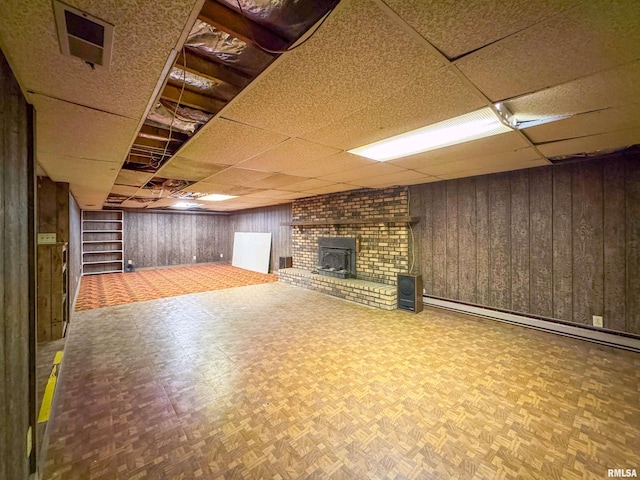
(619, 340)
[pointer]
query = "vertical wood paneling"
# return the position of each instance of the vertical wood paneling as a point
(614, 245)
(562, 243)
(499, 241)
(467, 240)
(16, 400)
(161, 239)
(587, 219)
(425, 237)
(439, 222)
(452, 239)
(47, 218)
(482, 247)
(520, 268)
(75, 249)
(267, 220)
(632, 248)
(541, 246)
(62, 211)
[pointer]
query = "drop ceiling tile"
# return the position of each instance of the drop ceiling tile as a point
(308, 185)
(74, 131)
(210, 187)
(496, 169)
(454, 30)
(373, 170)
(61, 168)
(609, 88)
(291, 155)
(237, 176)
(587, 124)
(603, 142)
(130, 177)
(591, 37)
(338, 187)
(505, 142)
(133, 204)
(516, 158)
(338, 71)
(145, 33)
(124, 190)
(437, 96)
(187, 169)
(272, 193)
(241, 190)
(89, 197)
(277, 180)
(224, 142)
(293, 195)
(408, 177)
(335, 163)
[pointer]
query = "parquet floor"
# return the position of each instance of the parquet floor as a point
(272, 381)
(107, 290)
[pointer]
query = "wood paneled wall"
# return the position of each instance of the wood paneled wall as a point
(160, 239)
(561, 241)
(267, 220)
(16, 399)
(75, 249)
(53, 208)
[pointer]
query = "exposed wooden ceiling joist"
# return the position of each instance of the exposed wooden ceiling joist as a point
(207, 68)
(235, 24)
(192, 99)
(161, 132)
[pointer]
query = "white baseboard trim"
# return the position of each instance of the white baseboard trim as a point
(602, 337)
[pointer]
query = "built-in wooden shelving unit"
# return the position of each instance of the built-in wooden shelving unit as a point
(102, 241)
(350, 221)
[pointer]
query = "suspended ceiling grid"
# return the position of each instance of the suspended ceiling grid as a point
(374, 69)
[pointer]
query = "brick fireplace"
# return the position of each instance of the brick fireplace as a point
(375, 220)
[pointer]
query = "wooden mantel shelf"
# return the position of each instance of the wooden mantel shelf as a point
(350, 221)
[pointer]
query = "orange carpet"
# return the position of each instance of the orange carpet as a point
(110, 289)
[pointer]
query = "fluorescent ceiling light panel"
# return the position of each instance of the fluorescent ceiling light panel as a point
(217, 197)
(471, 126)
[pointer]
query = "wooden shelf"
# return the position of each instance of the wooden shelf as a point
(103, 221)
(101, 245)
(350, 221)
(101, 262)
(98, 252)
(101, 241)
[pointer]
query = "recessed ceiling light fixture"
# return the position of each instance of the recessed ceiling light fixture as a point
(471, 126)
(217, 197)
(185, 205)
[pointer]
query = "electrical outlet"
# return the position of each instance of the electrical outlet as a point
(598, 321)
(130, 262)
(46, 238)
(424, 291)
(221, 255)
(194, 258)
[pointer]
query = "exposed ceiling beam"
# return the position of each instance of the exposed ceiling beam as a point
(161, 134)
(217, 93)
(151, 143)
(209, 69)
(237, 25)
(192, 99)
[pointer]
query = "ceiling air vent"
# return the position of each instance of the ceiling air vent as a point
(82, 35)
